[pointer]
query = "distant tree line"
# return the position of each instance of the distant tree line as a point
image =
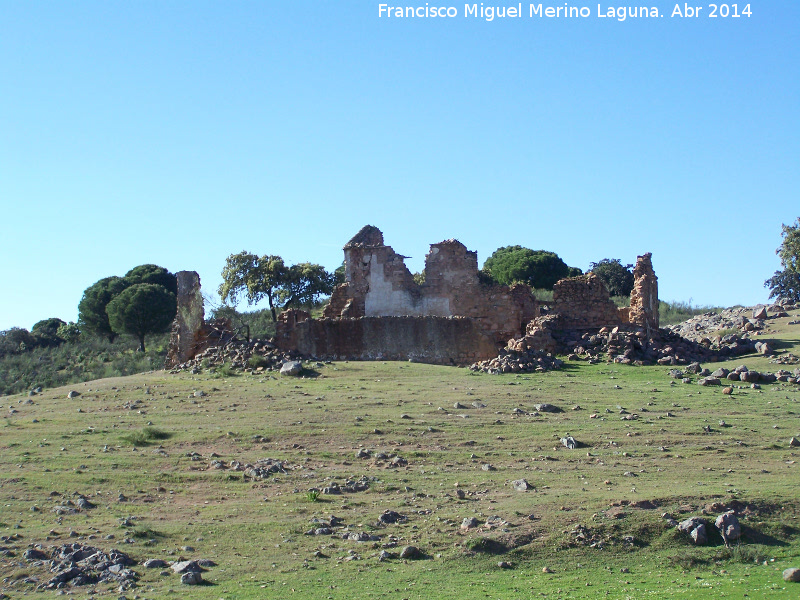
(141, 303)
(542, 269)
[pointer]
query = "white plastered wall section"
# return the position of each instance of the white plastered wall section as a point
(383, 300)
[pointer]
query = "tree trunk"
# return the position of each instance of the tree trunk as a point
(272, 310)
(141, 343)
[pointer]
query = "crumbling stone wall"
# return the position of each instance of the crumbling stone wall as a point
(582, 306)
(644, 297)
(429, 339)
(191, 334)
(380, 285)
(584, 303)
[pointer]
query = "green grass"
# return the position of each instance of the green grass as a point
(255, 529)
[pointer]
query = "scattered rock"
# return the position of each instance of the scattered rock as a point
(76, 565)
(191, 578)
(728, 526)
(570, 442)
(187, 566)
(792, 575)
(390, 516)
(469, 523)
(411, 553)
(292, 368)
(155, 563)
(696, 528)
(521, 485)
(73, 394)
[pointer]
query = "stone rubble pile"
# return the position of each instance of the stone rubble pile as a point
(740, 373)
(705, 326)
(515, 359)
(76, 564)
(262, 469)
(634, 347)
(255, 356)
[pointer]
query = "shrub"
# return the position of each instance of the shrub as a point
(256, 361)
(146, 436)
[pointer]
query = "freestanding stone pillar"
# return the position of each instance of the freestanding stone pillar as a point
(189, 319)
(644, 297)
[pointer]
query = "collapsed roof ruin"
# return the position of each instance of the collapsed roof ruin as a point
(455, 316)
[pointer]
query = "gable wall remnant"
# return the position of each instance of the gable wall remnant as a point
(380, 285)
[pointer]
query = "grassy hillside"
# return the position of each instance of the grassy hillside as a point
(157, 454)
(86, 360)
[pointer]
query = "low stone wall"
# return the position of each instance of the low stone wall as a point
(435, 340)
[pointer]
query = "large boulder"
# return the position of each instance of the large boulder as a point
(728, 526)
(292, 368)
(696, 528)
(792, 575)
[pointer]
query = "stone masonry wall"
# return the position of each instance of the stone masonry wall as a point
(430, 339)
(188, 320)
(380, 285)
(644, 297)
(583, 303)
(191, 334)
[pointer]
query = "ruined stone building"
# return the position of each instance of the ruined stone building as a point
(380, 312)
(454, 316)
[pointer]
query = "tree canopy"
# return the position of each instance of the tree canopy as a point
(16, 340)
(142, 309)
(92, 309)
(305, 283)
(92, 316)
(268, 277)
(152, 274)
(538, 268)
(46, 331)
(785, 284)
(617, 277)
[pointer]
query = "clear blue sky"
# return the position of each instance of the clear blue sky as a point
(177, 133)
